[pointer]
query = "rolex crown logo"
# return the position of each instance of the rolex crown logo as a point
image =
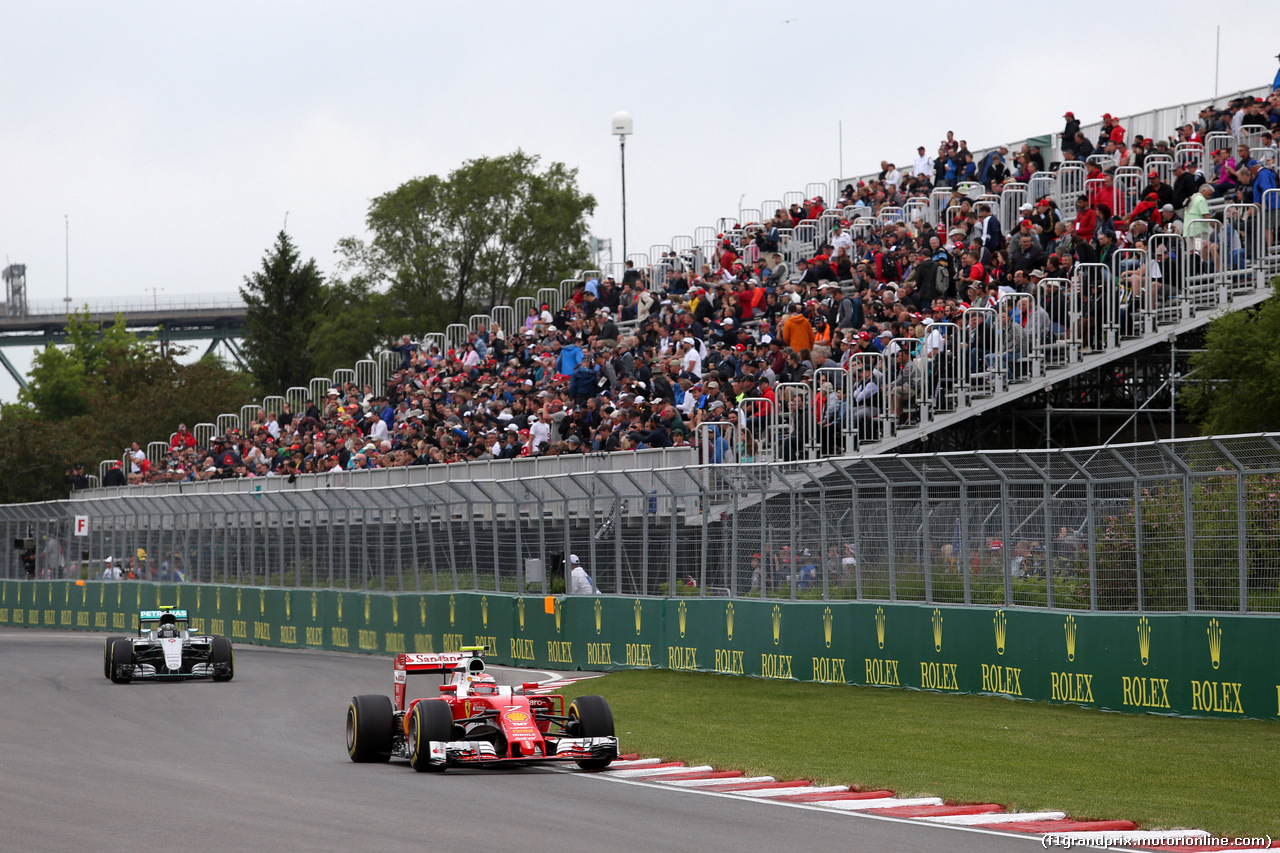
(422, 610)
(137, 599)
(395, 610)
(198, 596)
(1144, 640)
(339, 607)
(520, 611)
(638, 608)
(1001, 623)
(453, 610)
(557, 616)
(119, 595)
(599, 608)
(777, 624)
(177, 597)
(827, 619)
(288, 608)
(368, 601)
(683, 611)
(484, 611)
(880, 627)
(1215, 643)
(239, 596)
(1070, 629)
(937, 630)
(315, 603)
(728, 620)
(217, 599)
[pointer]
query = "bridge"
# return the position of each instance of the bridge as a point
(217, 318)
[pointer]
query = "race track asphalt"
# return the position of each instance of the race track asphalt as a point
(260, 764)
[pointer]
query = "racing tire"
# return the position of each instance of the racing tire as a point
(591, 716)
(121, 654)
(370, 728)
(220, 653)
(106, 656)
(431, 720)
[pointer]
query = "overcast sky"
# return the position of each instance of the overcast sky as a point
(175, 137)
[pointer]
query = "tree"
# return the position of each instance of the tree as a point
(353, 321)
(1234, 384)
(494, 229)
(88, 400)
(63, 380)
(282, 298)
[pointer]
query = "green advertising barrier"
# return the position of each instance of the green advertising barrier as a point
(1171, 663)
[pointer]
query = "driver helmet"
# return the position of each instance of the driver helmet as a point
(168, 626)
(482, 685)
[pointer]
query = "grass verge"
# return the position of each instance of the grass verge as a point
(1162, 772)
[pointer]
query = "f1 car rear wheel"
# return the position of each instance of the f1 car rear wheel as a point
(591, 716)
(106, 655)
(431, 720)
(370, 727)
(220, 654)
(121, 655)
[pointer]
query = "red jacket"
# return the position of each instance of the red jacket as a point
(1086, 223)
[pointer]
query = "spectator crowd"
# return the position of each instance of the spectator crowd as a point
(649, 361)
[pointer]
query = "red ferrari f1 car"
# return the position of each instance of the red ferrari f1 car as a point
(476, 721)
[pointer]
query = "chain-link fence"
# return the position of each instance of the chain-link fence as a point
(1181, 525)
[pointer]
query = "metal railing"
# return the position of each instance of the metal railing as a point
(1184, 525)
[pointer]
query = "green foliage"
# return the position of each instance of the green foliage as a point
(283, 299)
(1234, 386)
(1214, 538)
(88, 400)
(62, 379)
(494, 229)
(350, 325)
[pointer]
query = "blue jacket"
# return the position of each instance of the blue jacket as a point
(570, 358)
(1265, 180)
(583, 382)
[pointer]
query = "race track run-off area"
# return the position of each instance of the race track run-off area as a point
(260, 763)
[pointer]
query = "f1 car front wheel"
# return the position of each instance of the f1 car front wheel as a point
(431, 720)
(121, 656)
(222, 658)
(591, 716)
(370, 726)
(106, 655)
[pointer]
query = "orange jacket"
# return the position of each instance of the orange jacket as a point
(797, 333)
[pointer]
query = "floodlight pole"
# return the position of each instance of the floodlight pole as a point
(622, 152)
(621, 128)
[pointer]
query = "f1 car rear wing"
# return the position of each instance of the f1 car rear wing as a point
(468, 660)
(145, 616)
(438, 664)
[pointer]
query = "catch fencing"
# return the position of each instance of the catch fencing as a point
(1189, 525)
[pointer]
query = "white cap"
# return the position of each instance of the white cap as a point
(110, 559)
(573, 559)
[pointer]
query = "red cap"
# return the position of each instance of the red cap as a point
(1026, 222)
(1068, 114)
(864, 336)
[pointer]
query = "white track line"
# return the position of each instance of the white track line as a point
(708, 783)
(634, 762)
(884, 803)
(786, 792)
(994, 817)
(657, 772)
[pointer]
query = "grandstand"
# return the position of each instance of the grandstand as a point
(886, 384)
